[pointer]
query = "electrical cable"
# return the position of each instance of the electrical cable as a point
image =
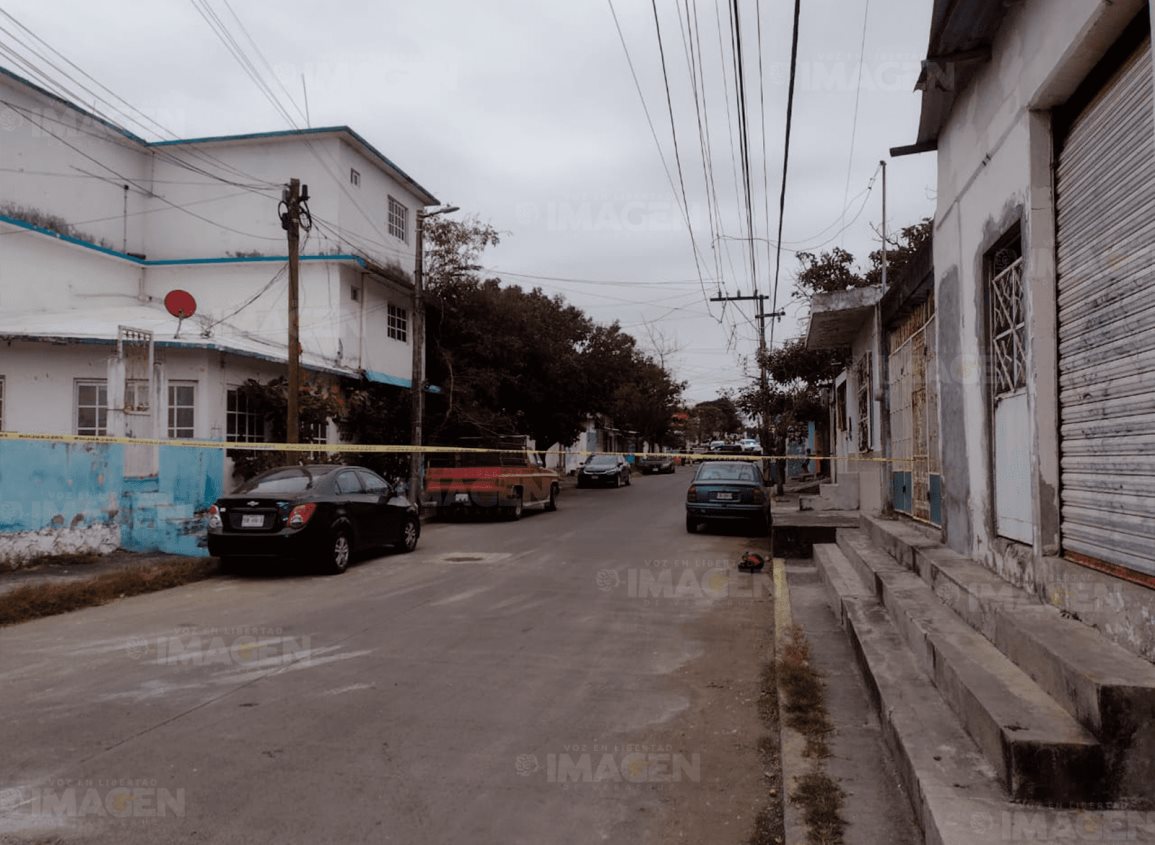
(786, 158)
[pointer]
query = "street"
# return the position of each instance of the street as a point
(589, 675)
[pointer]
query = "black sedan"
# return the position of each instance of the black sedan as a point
(604, 471)
(321, 513)
(656, 462)
(728, 491)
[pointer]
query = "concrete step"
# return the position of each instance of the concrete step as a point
(842, 496)
(956, 794)
(1040, 751)
(1109, 690)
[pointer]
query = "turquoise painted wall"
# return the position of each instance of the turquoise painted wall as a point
(58, 485)
(71, 485)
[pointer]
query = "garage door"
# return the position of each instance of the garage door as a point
(1105, 199)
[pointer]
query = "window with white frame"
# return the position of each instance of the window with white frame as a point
(92, 407)
(398, 220)
(182, 410)
(242, 423)
(397, 323)
(136, 397)
(354, 178)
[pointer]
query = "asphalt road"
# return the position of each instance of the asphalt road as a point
(546, 681)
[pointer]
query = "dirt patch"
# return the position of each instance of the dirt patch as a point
(36, 600)
(804, 709)
(805, 704)
(732, 723)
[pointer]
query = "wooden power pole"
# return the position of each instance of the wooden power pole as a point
(294, 213)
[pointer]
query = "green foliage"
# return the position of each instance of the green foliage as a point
(377, 414)
(517, 361)
(715, 418)
(794, 362)
(899, 251)
(317, 405)
(834, 270)
(826, 272)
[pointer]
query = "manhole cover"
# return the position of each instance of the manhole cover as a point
(464, 558)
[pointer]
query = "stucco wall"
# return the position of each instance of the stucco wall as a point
(995, 176)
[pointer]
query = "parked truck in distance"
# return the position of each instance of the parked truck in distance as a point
(501, 481)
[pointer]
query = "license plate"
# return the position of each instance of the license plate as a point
(724, 497)
(461, 498)
(252, 520)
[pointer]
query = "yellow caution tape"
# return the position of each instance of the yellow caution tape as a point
(401, 448)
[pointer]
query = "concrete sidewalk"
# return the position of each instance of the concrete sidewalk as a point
(875, 807)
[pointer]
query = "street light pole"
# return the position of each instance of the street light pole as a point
(418, 381)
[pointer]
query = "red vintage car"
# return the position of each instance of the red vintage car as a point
(500, 482)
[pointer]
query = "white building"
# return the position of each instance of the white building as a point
(97, 226)
(1043, 117)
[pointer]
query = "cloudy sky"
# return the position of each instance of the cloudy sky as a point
(526, 114)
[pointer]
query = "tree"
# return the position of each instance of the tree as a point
(899, 251)
(715, 418)
(826, 272)
(516, 361)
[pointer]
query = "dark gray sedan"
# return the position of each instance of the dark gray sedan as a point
(725, 491)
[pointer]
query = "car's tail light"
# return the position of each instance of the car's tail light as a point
(692, 494)
(759, 495)
(215, 517)
(301, 514)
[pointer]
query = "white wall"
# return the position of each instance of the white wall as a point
(38, 135)
(994, 171)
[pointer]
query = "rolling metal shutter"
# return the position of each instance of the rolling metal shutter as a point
(1105, 201)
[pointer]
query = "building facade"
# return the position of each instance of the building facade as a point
(98, 227)
(1043, 119)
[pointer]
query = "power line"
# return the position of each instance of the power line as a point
(661, 154)
(786, 157)
(857, 98)
(744, 137)
(674, 133)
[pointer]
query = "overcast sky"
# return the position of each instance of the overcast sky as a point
(526, 114)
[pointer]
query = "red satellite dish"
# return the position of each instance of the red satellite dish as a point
(180, 304)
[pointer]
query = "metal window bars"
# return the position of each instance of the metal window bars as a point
(1008, 330)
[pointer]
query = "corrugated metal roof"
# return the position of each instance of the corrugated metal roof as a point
(961, 33)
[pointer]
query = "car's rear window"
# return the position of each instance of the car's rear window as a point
(279, 481)
(727, 472)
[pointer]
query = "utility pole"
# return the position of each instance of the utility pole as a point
(417, 397)
(418, 377)
(763, 380)
(881, 371)
(294, 213)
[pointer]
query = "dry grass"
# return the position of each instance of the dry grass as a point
(805, 703)
(768, 696)
(821, 801)
(35, 601)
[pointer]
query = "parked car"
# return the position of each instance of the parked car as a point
(716, 445)
(603, 471)
(655, 462)
(729, 449)
(728, 491)
(749, 444)
(502, 482)
(321, 512)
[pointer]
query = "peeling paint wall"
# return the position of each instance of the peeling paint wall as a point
(69, 497)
